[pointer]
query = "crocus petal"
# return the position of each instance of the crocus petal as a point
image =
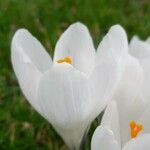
(126, 94)
(76, 43)
(29, 60)
(141, 50)
(64, 96)
(110, 120)
(140, 143)
(110, 61)
(114, 46)
(103, 139)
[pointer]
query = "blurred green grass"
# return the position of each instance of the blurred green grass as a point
(20, 126)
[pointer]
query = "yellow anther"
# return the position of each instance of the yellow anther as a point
(132, 124)
(135, 129)
(66, 59)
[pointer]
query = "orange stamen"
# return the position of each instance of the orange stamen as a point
(135, 129)
(66, 59)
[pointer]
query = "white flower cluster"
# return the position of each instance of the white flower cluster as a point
(80, 82)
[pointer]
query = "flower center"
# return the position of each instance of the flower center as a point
(135, 129)
(65, 59)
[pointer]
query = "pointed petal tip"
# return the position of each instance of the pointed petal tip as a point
(30, 48)
(135, 38)
(117, 31)
(78, 25)
(136, 41)
(104, 129)
(22, 30)
(19, 34)
(15, 42)
(118, 28)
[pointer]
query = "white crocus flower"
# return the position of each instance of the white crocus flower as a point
(73, 89)
(126, 121)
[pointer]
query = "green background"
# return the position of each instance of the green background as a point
(20, 126)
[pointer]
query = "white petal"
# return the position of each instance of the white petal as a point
(114, 46)
(126, 96)
(31, 50)
(144, 119)
(110, 61)
(26, 55)
(141, 50)
(64, 98)
(110, 120)
(103, 139)
(76, 42)
(140, 143)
